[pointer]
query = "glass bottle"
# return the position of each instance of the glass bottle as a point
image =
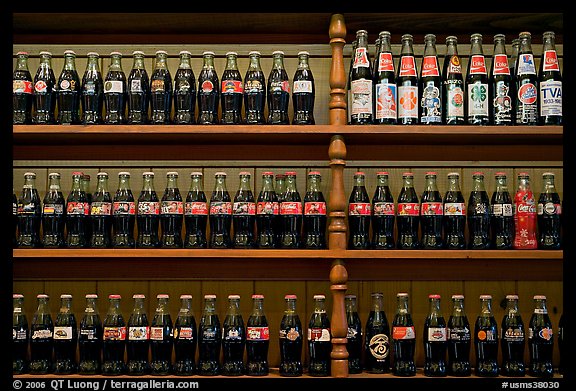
(550, 83)
(502, 110)
(185, 338)
(354, 45)
(383, 214)
(90, 338)
(435, 337)
(314, 220)
(44, 102)
(114, 338)
(280, 190)
(148, 217)
(123, 212)
(408, 214)
(377, 338)
(161, 338)
(514, 61)
(319, 339)
(431, 214)
(29, 214)
(459, 339)
(430, 84)
(160, 90)
(232, 91)
(454, 214)
(53, 214)
(407, 82)
(267, 213)
(502, 214)
(525, 215)
(65, 338)
(541, 340)
(354, 335)
(172, 213)
(478, 214)
(184, 91)
(359, 214)
(101, 214)
(115, 91)
(92, 91)
(290, 339)
(195, 213)
(41, 338)
(304, 92)
(254, 91)
(361, 101)
(257, 339)
(291, 214)
(208, 91)
(486, 340)
(20, 336)
(477, 102)
(233, 339)
(138, 339)
(527, 103)
(549, 215)
(209, 339)
(385, 90)
(77, 213)
(512, 339)
(278, 89)
(22, 93)
(68, 91)
(244, 214)
(220, 214)
(138, 93)
(452, 85)
(404, 338)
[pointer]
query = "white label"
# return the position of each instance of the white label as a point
(478, 99)
(407, 102)
(361, 96)
(113, 86)
(62, 332)
(454, 209)
(551, 98)
(136, 85)
(437, 334)
(502, 209)
(138, 333)
(42, 334)
(302, 86)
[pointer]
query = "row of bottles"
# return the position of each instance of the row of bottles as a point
(436, 222)
(506, 95)
(143, 99)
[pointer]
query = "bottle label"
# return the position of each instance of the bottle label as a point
(172, 207)
(549, 208)
(135, 85)
(318, 334)
(231, 334)
(53, 209)
(408, 209)
(502, 102)
(98, 208)
(18, 334)
(253, 86)
(477, 65)
(207, 86)
(359, 209)
(527, 94)
(407, 102)
(314, 208)
(551, 98)
(500, 65)
(526, 64)
(361, 58)
(290, 334)
(385, 63)
(480, 209)
(89, 334)
(386, 101)
(501, 210)
(459, 334)
(383, 209)
(244, 208)
(352, 333)
(437, 334)
(124, 208)
(29, 208)
(63, 332)
(78, 208)
(157, 333)
(89, 87)
(232, 87)
(157, 85)
(15, 208)
(454, 209)
(22, 87)
(148, 208)
(257, 333)
(478, 99)
(67, 85)
(407, 66)
(486, 335)
(42, 334)
(526, 208)
(184, 333)
(302, 86)
(550, 61)
(431, 209)
(540, 311)
(113, 86)
(267, 208)
(195, 208)
(430, 66)
(455, 98)
(40, 86)
(280, 86)
(455, 66)
(361, 96)
(114, 333)
(138, 333)
(379, 346)
(220, 208)
(209, 334)
(403, 332)
(544, 333)
(513, 334)
(291, 208)
(430, 103)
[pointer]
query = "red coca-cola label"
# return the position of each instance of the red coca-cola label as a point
(408, 209)
(525, 220)
(501, 65)
(98, 208)
(430, 66)
(403, 332)
(550, 61)
(78, 208)
(148, 208)
(267, 208)
(431, 209)
(291, 208)
(184, 333)
(244, 209)
(385, 63)
(257, 333)
(314, 208)
(232, 87)
(220, 208)
(407, 66)
(22, 87)
(172, 207)
(124, 208)
(361, 58)
(196, 208)
(359, 209)
(383, 209)
(477, 65)
(114, 333)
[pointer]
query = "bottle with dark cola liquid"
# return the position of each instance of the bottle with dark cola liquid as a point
(208, 91)
(512, 339)
(195, 213)
(550, 83)
(359, 214)
(527, 103)
(349, 82)
(435, 340)
(486, 340)
(20, 336)
(113, 339)
(244, 214)
(385, 89)
(525, 215)
(267, 213)
(138, 91)
(14, 218)
(408, 214)
(77, 214)
(148, 217)
(123, 213)
(65, 338)
(452, 85)
(257, 339)
(501, 85)
(303, 92)
(138, 338)
(431, 214)
(454, 214)
(478, 214)
(314, 219)
(458, 339)
(41, 338)
(383, 214)
(160, 90)
(185, 338)
(209, 339)
(101, 214)
(319, 339)
(377, 338)
(92, 92)
(562, 345)
(501, 214)
(90, 338)
(220, 214)
(407, 82)
(161, 338)
(430, 84)
(477, 102)
(549, 215)
(290, 339)
(68, 91)
(29, 214)
(280, 190)
(361, 100)
(233, 339)
(85, 185)
(115, 91)
(540, 340)
(514, 61)
(232, 91)
(53, 214)
(172, 213)
(184, 91)
(354, 335)
(404, 338)
(291, 214)
(22, 91)
(254, 91)
(44, 103)
(278, 91)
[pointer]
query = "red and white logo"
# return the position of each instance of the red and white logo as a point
(407, 66)
(430, 66)
(501, 65)
(477, 65)
(550, 61)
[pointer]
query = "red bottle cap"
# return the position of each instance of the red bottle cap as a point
(22, 53)
(162, 296)
(267, 173)
(257, 296)
(500, 173)
(244, 173)
(290, 173)
(17, 295)
(114, 296)
(290, 297)
(77, 173)
(431, 173)
(434, 296)
(314, 173)
(523, 174)
(359, 173)
(478, 173)
(408, 174)
(382, 173)
(185, 296)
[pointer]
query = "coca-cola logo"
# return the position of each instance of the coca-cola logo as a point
(527, 93)
(477, 65)
(526, 208)
(407, 66)
(550, 61)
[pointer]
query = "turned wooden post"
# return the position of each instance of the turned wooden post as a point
(337, 228)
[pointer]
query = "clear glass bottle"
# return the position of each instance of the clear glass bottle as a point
(361, 100)
(549, 215)
(541, 340)
(115, 91)
(403, 337)
(501, 85)
(257, 339)
(435, 337)
(92, 91)
(478, 214)
(124, 213)
(220, 214)
(41, 338)
(431, 214)
(244, 213)
(184, 91)
(354, 335)
(377, 337)
(160, 90)
(486, 340)
(20, 335)
(512, 339)
(90, 338)
(233, 339)
(304, 92)
(208, 91)
(185, 338)
(195, 213)
(314, 219)
(209, 339)
(385, 89)
(161, 338)
(454, 214)
(22, 93)
(290, 339)
(430, 84)
(319, 339)
(459, 339)
(550, 83)
(452, 85)
(138, 94)
(77, 214)
(68, 91)
(254, 91)
(138, 339)
(232, 91)
(53, 214)
(477, 103)
(114, 338)
(29, 214)
(172, 213)
(527, 102)
(44, 102)
(407, 82)
(65, 338)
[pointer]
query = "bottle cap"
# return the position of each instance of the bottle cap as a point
(280, 176)
(452, 38)
(539, 297)
(69, 52)
(46, 53)
(525, 33)
(209, 296)
(22, 53)
(148, 173)
(54, 174)
(30, 174)
(91, 296)
(478, 173)
(278, 52)
(184, 52)
(402, 294)
(42, 296)
(185, 296)
(453, 174)
(359, 173)
(361, 32)
(303, 53)
(77, 173)
(161, 52)
(458, 297)
(407, 36)
(124, 173)
(319, 297)
(499, 36)
(432, 173)
(257, 296)
(523, 174)
(434, 296)
(254, 52)
(290, 297)
(116, 54)
(547, 174)
(17, 296)
(137, 52)
(314, 173)
(162, 296)
(172, 173)
(65, 296)
(231, 54)
(290, 173)
(500, 173)
(208, 53)
(244, 173)
(138, 296)
(267, 173)
(382, 173)
(407, 174)
(377, 294)
(350, 296)
(92, 54)
(485, 297)
(220, 173)
(511, 297)
(114, 296)
(196, 173)
(233, 297)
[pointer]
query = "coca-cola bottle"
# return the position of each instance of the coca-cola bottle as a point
(233, 339)
(385, 90)
(407, 82)
(430, 84)
(550, 83)
(540, 340)
(14, 218)
(101, 214)
(404, 338)
(280, 190)
(431, 214)
(257, 339)
(377, 338)
(138, 90)
(291, 214)
(195, 213)
(452, 85)
(209, 339)
(90, 338)
(208, 91)
(172, 213)
(184, 91)
(77, 213)
(527, 102)
(477, 102)
(525, 217)
(68, 91)
(220, 214)
(435, 340)
(29, 214)
(459, 339)
(65, 338)
(160, 90)
(500, 87)
(359, 214)
(123, 213)
(138, 341)
(161, 338)
(44, 103)
(267, 213)
(454, 214)
(185, 338)
(303, 92)
(549, 215)
(278, 90)
(314, 219)
(514, 62)
(512, 339)
(354, 334)
(562, 345)
(115, 91)
(85, 184)
(232, 91)
(53, 214)
(113, 338)
(383, 214)
(361, 101)
(354, 45)
(244, 214)
(319, 340)
(22, 91)
(92, 91)
(290, 338)
(486, 340)
(478, 214)
(41, 338)
(408, 214)
(501, 214)
(20, 336)
(254, 91)
(148, 216)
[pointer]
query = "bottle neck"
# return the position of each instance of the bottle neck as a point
(313, 185)
(115, 63)
(17, 305)
(254, 63)
(209, 307)
(171, 182)
(548, 185)
(76, 183)
(350, 304)
(29, 182)
(377, 303)
(453, 184)
(407, 49)
(303, 61)
(91, 307)
(185, 307)
(384, 45)
(85, 184)
(43, 307)
(278, 62)
(540, 306)
(196, 184)
(69, 62)
(525, 44)
(476, 46)
(220, 185)
(45, 62)
(319, 306)
(451, 48)
(184, 62)
(359, 181)
(138, 306)
(54, 184)
(501, 184)
(499, 45)
(148, 183)
(92, 64)
(231, 63)
(430, 47)
(549, 42)
(458, 307)
(402, 305)
(233, 307)
(162, 307)
(486, 308)
(267, 184)
(431, 184)
(208, 62)
(362, 41)
(290, 306)
(22, 63)
(138, 62)
(102, 184)
(434, 307)
(478, 183)
(244, 183)
(160, 62)
(258, 307)
(124, 183)
(523, 184)
(408, 182)
(383, 181)
(66, 306)
(512, 307)
(280, 185)
(291, 183)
